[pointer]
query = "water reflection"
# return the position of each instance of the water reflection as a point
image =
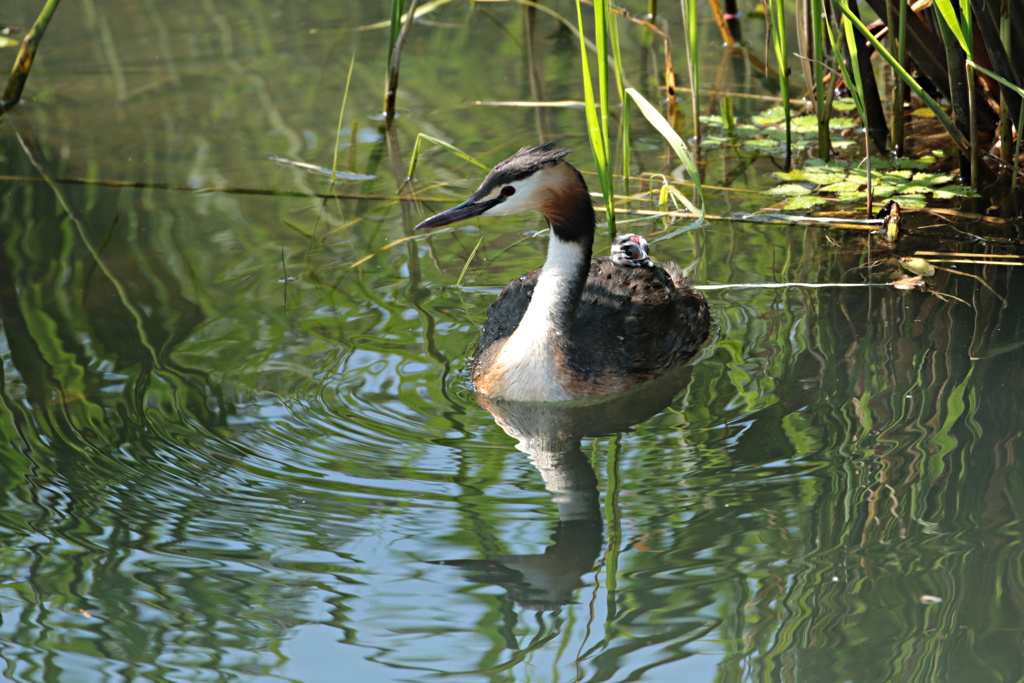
(549, 579)
(550, 434)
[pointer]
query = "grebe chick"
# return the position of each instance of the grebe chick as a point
(576, 327)
(632, 251)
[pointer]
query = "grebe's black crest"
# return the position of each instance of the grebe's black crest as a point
(577, 326)
(525, 162)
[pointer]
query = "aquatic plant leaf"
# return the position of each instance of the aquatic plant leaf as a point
(895, 176)
(713, 141)
(796, 175)
(762, 144)
(790, 190)
(770, 116)
(899, 179)
(805, 203)
(931, 179)
(913, 164)
(766, 132)
(917, 266)
(887, 191)
(748, 130)
(841, 123)
(954, 192)
(805, 124)
(914, 188)
(846, 186)
(816, 175)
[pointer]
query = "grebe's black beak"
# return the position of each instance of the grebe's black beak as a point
(467, 209)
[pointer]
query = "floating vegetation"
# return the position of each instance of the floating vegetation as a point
(766, 132)
(904, 180)
(917, 266)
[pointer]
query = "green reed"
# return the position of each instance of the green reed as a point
(1016, 147)
(777, 12)
(956, 25)
(958, 37)
(855, 82)
(1006, 154)
(674, 141)
(689, 9)
(959, 140)
(398, 32)
(822, 93)
(597, 109)
(900, 94)
(394, 31)
(624, 121)
(26, 55)
(1006, 120)
(341, 118)
(415, 156)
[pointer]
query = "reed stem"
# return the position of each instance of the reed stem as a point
(26, 55)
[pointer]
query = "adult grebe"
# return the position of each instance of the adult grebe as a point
(575, 327)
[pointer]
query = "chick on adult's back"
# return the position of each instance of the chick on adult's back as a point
(577, 326)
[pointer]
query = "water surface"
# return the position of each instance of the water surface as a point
(236, 448)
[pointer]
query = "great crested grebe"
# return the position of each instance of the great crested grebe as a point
(632, 251)
(576, 327)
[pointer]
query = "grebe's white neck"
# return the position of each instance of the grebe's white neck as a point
(533, 358)
(556, 296)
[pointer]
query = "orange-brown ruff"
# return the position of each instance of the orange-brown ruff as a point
(577, 326)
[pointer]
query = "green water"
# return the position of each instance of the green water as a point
(237, 449)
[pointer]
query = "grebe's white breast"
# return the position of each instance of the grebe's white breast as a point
(530, 365)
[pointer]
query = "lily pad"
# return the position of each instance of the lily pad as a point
(816, 175)
(848, 186)
(847, 182)
(762, 144)
(770, 116)
(804, 203)
(905, 180)
(804, 124)
(790, 190)
(840, 123)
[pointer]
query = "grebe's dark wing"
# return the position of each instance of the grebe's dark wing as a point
(507, 310)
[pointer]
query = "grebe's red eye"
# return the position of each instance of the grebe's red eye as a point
(508, 191)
